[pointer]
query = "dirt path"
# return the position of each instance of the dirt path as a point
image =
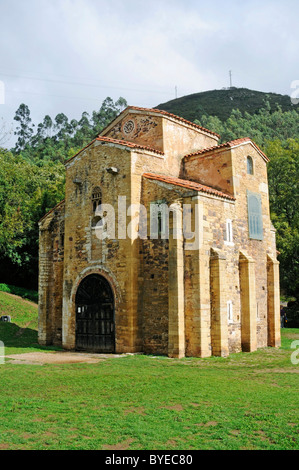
(60, 357)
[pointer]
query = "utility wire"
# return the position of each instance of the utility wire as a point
(82, 84)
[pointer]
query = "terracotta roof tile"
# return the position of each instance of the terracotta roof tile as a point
(188, 185)
(226, 145)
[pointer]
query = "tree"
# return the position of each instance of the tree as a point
(26, 193)
(84, 133)
(261, 127)
(24, 131)
(283, 173)
(61, 126)
(108, 111)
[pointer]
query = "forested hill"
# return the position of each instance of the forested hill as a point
(220, 103)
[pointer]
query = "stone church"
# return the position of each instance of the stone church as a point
(200, 279)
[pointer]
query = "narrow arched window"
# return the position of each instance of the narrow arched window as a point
(229, 231)
(249, 166)
(96, 198)
(61, 235)
(230, 311)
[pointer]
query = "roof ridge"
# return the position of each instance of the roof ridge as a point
(188, 184)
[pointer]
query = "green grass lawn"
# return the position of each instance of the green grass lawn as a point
(246, 401)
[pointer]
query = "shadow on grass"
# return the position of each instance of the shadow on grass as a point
(15, 337)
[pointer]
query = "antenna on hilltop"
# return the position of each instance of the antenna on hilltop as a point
(176, 92)
(230, 79)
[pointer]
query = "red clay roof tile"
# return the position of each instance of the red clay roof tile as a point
(188, 185)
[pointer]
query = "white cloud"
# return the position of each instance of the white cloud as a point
(154, 53)
(140, 50)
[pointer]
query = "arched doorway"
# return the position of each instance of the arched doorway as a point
(95, 329)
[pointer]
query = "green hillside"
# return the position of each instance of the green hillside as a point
(21, 333)
(220, 103)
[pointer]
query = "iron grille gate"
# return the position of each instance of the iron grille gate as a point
(95, 315)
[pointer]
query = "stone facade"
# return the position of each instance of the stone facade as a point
(200, 279)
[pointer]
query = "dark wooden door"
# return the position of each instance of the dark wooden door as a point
(95, 329)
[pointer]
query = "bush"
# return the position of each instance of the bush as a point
(292, 312)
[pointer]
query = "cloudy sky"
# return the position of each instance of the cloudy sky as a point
(69, 55)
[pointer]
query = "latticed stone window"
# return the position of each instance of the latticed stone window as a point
(96, 198)
(255, 217)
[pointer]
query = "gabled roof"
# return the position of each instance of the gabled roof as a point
(188, 185)
(161, 113)
(227, 145)
(124, 143)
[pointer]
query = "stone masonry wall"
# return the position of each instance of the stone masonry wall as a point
(234, 162)
(84, 252)
(51, 262)
(198, 301)
(256, 249)
(187, 140)
(213, 170)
